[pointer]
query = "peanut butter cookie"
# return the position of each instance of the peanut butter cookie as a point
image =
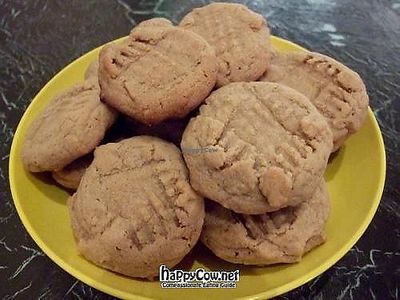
(240, 37)
(161, 71)
(256, 147)
(134, 208)
(70, 126)
(282, 236)
(338, 92)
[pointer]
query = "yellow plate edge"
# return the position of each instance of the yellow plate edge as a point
(267, 294)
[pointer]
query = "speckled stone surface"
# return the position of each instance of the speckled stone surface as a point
(38, 38)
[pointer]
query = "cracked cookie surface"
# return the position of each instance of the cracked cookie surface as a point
(256, 147)
(240, 37)
(161, 71)
(70, 176)
(338, 92)
(70, 126)
(278, 237)
(135, 209)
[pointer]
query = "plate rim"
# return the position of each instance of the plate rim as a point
(291, 285)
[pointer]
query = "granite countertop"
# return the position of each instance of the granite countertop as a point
(38, 38)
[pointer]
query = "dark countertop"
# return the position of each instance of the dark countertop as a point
(38, 38)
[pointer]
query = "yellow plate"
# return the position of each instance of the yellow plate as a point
(355, 180)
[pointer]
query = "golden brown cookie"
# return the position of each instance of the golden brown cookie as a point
(256, 147)
(159, 72)
(338, 92)
(70, 126)
(278, 237)
(239, 36)
(134, 208)
(70, 176)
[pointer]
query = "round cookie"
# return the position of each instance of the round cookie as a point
(159, 72)
(92, 69)
(70, 126)
(70, 176)
(135, 209)
(338, 92)
(240, 37)
(256, 147)
(278, 237)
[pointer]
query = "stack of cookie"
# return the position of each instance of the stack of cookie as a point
(256, 151)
